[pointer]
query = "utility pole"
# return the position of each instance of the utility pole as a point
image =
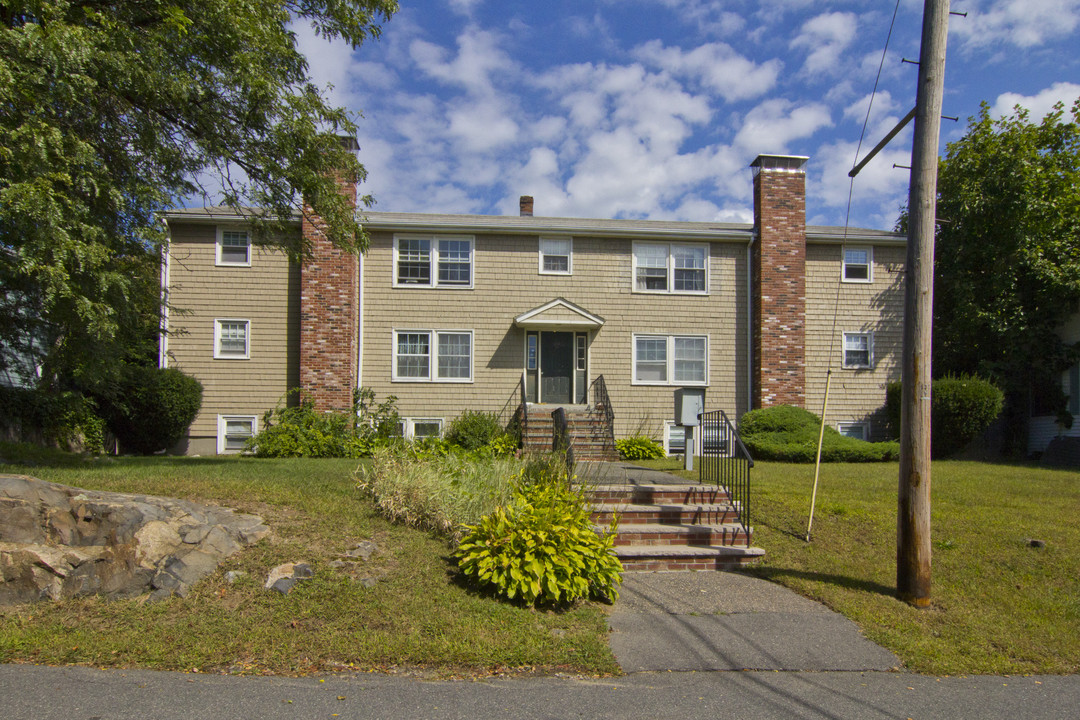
(913, 501)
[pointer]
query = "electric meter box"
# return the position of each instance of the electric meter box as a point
(689, 403)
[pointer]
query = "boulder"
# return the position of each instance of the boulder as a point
(58, 541)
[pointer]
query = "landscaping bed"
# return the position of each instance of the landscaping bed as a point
(403, 610)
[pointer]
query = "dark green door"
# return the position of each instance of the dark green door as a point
(556, 367)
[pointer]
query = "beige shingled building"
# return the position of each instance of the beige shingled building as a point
(468, 312)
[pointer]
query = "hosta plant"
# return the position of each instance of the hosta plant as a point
(542, 549)
(639, 447)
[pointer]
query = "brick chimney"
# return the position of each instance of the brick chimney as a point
(328, 312)
(778, 280)
(526, 204)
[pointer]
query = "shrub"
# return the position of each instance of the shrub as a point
(503, 445)
(66, 420)
(961, 407)
(639, 447)
(473, 430)
(302, 431)
(380, 421)
(542, 549)
(790, 434)
(153, 408)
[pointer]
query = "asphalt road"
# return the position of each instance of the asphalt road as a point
(46, 693)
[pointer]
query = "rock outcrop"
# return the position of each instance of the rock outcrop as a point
(58, 541)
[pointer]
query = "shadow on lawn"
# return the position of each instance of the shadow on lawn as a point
(775, 574)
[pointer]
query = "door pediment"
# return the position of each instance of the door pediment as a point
(559, 314)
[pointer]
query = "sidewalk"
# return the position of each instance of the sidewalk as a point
(709, 621)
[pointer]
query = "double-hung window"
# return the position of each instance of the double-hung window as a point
(556, 256)
(858, 350)
(232, 339)
(432, 356)
(233, 247)
(670, 360)
(670, 268)
(858, 264)
(433, 261)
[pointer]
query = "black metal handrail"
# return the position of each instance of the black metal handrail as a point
(601, 401)
(726, 462)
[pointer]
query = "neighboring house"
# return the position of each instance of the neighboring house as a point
(1042, 428)
(457, 312)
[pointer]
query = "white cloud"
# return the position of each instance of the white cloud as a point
(479, 58)
(716, 66)
(825, 38)
(1039, 104)
(708, 16)
(464, 7)
(1023, 23)
(878, 191)
(770, 126)
(330, 63)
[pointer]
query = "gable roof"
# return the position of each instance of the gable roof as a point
(559, 314)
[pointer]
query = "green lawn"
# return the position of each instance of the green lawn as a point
(998, 604)
(416, 617)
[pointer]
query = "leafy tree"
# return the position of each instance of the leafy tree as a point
(112, 111)
(1007, 271)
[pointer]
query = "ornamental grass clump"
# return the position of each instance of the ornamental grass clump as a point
(543, 548)
(440, 492)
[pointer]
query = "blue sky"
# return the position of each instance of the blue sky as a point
(654, 109)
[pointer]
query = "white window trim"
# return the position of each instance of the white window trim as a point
(869, 264)
(870, 349)
(221, 230)
(433, 358)
(218, 355)
(841, 426)
(221, 422)
(569, 256)
(670, 289)
(670, 359)
(410, 423)
(433, 259)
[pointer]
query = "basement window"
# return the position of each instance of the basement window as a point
(234, 432)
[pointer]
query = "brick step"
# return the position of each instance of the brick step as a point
(682, 535)
(658, 494)
(637, 558)
(610, 455)
(673, 514)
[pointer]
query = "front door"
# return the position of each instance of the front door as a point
(556, 367)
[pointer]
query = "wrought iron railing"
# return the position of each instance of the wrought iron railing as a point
(524, 406)
(600, 401)
(726, 462)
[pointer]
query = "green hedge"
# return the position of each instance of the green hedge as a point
(790, 434)
(961, 407)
